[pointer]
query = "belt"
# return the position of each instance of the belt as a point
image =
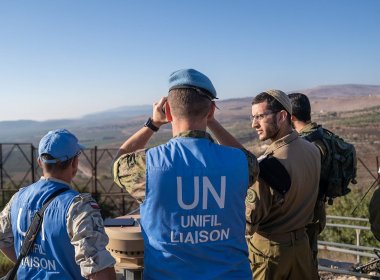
(282, 237)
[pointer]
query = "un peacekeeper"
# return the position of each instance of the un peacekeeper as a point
(191, 189)
(301, 120)
(71, 243)
(374, 213)
(281, 203)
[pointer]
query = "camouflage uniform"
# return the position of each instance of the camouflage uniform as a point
(130, 169)
(85, 228)
(278, 245)
(374, 214)
(319, 221)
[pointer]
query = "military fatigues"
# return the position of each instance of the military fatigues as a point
(374, 213)
(84, 227)
(130, 169)
(279, 247)
(319, 221)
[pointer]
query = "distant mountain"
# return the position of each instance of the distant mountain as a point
(120, 112)
(113, 126)
(31, 131)
(348, 90)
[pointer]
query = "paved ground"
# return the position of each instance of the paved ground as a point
(337, 265)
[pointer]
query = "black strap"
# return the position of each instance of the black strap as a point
(31, 234)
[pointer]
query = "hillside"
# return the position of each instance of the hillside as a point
(110, 128)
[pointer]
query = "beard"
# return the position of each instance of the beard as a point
(272, 130)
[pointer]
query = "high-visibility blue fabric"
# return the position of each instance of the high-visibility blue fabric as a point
(52, 255)
(186, 78)
(193, 215)
(61, 144)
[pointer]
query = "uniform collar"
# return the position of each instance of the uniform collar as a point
(55, 180)
(281, 142)
(195, 134)
(308, 127)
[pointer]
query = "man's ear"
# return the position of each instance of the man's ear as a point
(168, 113)
(293, 118)
(283, 115)
(75, 162)
(39, 162)
(74, 166)
(211, 112)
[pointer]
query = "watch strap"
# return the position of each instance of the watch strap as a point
(149, 124)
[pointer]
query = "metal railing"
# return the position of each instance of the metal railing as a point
(356, 250)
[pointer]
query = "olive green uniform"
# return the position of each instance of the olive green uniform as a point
(319, 221)
(374, 214)
(129, 170)
(279, 247)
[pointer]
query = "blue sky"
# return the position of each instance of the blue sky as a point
(64, 59)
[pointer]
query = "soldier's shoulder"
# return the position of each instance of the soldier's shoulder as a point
(130, 160)
(83, 197)
(307, 144)
(83, 203)
(309, 128)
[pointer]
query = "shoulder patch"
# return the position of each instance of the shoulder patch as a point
(251, 196)
(275, 174)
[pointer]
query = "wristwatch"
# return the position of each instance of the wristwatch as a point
(149, 123)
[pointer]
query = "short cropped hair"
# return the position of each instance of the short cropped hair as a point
(189, 103)
(272, 103)
(301, 106)
(58, 166)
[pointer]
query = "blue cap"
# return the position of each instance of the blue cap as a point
(59, 144)
(190, 78)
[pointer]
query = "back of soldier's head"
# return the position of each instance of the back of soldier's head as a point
(187, 103)
(57, 149)
(301, 106)
(54, 167)
(190, 94)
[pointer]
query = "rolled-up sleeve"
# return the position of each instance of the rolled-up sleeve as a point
(6, 234)
(253, 166)
(86, 231)
(129, 172)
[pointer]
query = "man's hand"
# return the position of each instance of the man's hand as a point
(140, 138)
(159, 117)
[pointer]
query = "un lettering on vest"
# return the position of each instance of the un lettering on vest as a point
(201, 228)
(38, 259)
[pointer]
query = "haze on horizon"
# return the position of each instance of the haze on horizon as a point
(66, 59)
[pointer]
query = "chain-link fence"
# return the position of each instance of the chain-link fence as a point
(19, 168)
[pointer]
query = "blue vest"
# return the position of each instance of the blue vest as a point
(52, 255)
(193, 215)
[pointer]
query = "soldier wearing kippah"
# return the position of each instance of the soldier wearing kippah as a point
(280, 204)
(192, 190)
(71, 243)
